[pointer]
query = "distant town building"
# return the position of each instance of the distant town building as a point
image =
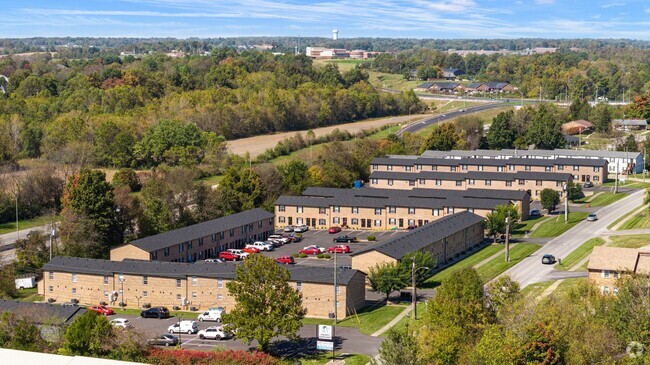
(328, 53)
(576, 127)
(335, 34)
(628, 124)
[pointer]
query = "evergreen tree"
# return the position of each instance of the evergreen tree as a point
(501, 134)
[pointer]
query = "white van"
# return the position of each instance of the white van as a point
(188, 327)
(25, 282)
(213, 314)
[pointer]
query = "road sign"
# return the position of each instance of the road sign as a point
(325, 345)
(325, 332)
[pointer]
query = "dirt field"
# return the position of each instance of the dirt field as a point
(258, 144)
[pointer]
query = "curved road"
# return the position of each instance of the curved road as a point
(531, 270)
(416, 126)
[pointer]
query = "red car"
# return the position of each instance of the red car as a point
(334, 229)
(339, 249)
(286, 260)
(251, 249)
(228, 256)
(312, 250)
(103, 310)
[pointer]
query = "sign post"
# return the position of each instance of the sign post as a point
(325, 338)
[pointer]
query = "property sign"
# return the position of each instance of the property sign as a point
(325, 332)
(325, 345)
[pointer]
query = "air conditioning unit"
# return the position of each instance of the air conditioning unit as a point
(184, 301)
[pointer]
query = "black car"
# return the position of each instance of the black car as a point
(535, 213)
(548, 259)
(588, 184)
(346, 239)
(163, 340)
(155, 312)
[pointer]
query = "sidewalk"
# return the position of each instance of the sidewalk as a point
(393, 322)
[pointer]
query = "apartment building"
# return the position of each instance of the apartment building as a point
(200, 241)
(581, 169)
(445, 238)
(200, 285)
(530, 181)
(608, 264)
(384, 209)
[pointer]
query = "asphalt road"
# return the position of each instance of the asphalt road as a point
(531, 270)
(416, 126)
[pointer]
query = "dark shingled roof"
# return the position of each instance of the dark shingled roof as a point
(42, 312)
(226, 270)
(393, 161)
(548, 176)
(522, 161)
(474, 85)
(446, 85)
(600, 162)
(423, 236)
(425, 85)
(167, 239)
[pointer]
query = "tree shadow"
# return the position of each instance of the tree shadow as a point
(303, 348)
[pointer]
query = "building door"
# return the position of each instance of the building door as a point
(313, 222)
(290, 220)
(401, 223)
(345, 222)
(363, 223)
(419, 222)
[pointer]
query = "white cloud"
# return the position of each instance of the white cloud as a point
(545, 2)
(610, 5)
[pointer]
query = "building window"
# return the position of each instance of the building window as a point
(281, 208)
(322, 210)
(181, 247)
(411, 222)
(463, 167)
(232, 232)
(105, 280)
(411, 182)
(336, 209)
(418, 167)
(336, 220)
(605, 273)
(459, 183)
(576, 168)
(499, 168)
(438, 182)
(145, 293)
(508, 183)
(178, 297)
(547, 168)
(178, 283)
(298, 286)
(471, 210)
(558, 184)
(51, 275)
(377, 222)
(616, 275)
(450, 210)
(480, 167)
(374, 167)
(452, 168)
(322, 222)
(522, 182)
(471, 182)
(373, 181)
(597, 169)
(488, 182)
(355, 210)
(74, 290)
(390, 182)
(355, 221)
(298, 209)
(189, 245)
(338, 291)
(411, 210)
(596, 178)
(280, 219)
(377, 211)
(219, 296)
(219, 283)
(392, 209)
(560, 167)
(193, 294)
(389, 167)
(392, 221)
(145, 280)
(50, 288)
(435, 212)
(538, 182)
(421, 181)
(615, 291)
(434, 168)
(511, 167)
(407, 168)
(605, 289)
(527, 168)
(74, 278)
(195, 281)
(299, 221)
(166, 251)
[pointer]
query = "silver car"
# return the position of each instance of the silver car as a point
(592, 217)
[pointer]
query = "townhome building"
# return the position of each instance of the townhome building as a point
(608, 264)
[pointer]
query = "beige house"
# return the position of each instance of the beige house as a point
(445, 238)
(607, 264)
(200, 285)
(200, 241)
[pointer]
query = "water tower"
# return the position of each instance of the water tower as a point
(335, 34)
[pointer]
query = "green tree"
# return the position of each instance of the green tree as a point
(549, 199)
(18, 332)
(157, 207)
(574, 191)
(87, 336)
(542, 345)
(501, 134)
(545, 129)
(629, 144)
(495, 221)
(424, 265)
(400, 347)
(126, 177)
(7, 283)
(442, 138)
(33, 251)
(628, 311)
(240, 189)
(265, 305)
(172, 137)
(295, 176)
(502, 292)
(579, 109)
(601, 117)
(387, 277)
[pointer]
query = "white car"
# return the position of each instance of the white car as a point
(302, 228)
(213, 333)
(188, 327)
(262, 246)
(288, 229)
(315, 247)
(120, 323)
(220, 261)
(213, 314)
(277, 237)
(242, 255)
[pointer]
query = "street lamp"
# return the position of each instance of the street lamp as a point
(414, 298)
(508, 237)
(180, 333)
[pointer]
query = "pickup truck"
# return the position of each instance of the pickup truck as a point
(262, 246)
(346, 239)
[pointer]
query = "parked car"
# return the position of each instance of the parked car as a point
(278, 237)
(334, 229)
(214, 260)
(286, 260)
(213, 314)
(339, 249)
(155, 312)
(301, 228)
(588, 184)
(251, 249)
(262, 246)
(288, 229)
(241, 253)
(592, 217)
(101, 309)
(188, 327)
(295, 237)
(120, 323)
(213, 333)
(228, 256)
(535, 213)
(548, 259)
(312, 250)
(163, 340)
(346, 238)
(412, 226)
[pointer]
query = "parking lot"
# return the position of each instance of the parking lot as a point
(322, 238)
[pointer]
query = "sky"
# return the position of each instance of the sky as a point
(353, 18)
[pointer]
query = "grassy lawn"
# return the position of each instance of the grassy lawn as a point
(136, 312)
(624, 216)
(25, 224)
(579, 254)
(368, 320)
(486, 115)
(391, 81)
(326, 356)
(498, 265)
(640, 220)
(606, 199)
(568, 285)
(519, 229)
(29, 295)
(422, 308)
(632, 241)
(469, 261)
(344, 65)
(532, 291)
(556, 227)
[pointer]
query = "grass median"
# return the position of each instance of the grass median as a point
(368, 320)
(606, 199)
(27, 223)
(469, 261)
(639, 220)
(555, 227)
(622, 218)
(631, 241)
(497, 265)
(579, 254)
(519, 230)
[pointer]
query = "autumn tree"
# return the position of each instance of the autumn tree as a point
(442, 138)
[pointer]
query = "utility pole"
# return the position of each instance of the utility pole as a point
(508, 237)
(566, 203)
(414, 297)
(51, 241)
(616, 181)
(336, 315)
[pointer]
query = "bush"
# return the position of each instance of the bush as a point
(295, 255)
(302, 255)
(326, 256)
(320, 256)
(126, 177)
(227, 357)
(371, 238)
